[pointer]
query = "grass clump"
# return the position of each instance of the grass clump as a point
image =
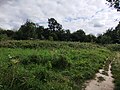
(60, 62)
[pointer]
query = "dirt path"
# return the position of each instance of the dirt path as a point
(102, 81)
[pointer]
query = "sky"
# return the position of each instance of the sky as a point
(93, 16)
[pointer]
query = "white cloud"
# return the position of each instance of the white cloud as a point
(94, 16)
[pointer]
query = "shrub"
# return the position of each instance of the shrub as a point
(31, 59)
(60, 62)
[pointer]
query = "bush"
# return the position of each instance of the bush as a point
(31, 59)
(60, 62)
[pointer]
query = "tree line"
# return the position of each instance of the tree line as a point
(55, 32)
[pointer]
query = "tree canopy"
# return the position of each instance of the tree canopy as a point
(55, 32)
(115, 3)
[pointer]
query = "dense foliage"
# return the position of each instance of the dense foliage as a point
(115, 4)
(115, 48)
(111, 36)
(55, 32)
(116, 71)
(46, 65)
(45, 44)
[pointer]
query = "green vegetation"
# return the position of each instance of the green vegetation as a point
(116, 71)
(115, 48)
(46, 44)
(45, 65)
(26, 63)
(115, 4)
(55, 32)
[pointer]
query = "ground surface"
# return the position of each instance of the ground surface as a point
(101, 81)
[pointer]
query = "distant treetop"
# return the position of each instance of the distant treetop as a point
(115, 3)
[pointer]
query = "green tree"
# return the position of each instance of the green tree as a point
(114, 34)
(60, 34)
(78, 36)
(7, 33)
(115, 3)
(56, 30)
(4, 37)
(46, 33)
(27, 31)
(67, 35)
(54, 36)
(54, 25)
(39, 32)
(104, 39)
(90, 38)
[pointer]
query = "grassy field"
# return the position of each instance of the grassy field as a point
(46, 65)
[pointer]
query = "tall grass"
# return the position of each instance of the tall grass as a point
(116, 71)
(115, 48)
(46, 44)
(45, 65)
